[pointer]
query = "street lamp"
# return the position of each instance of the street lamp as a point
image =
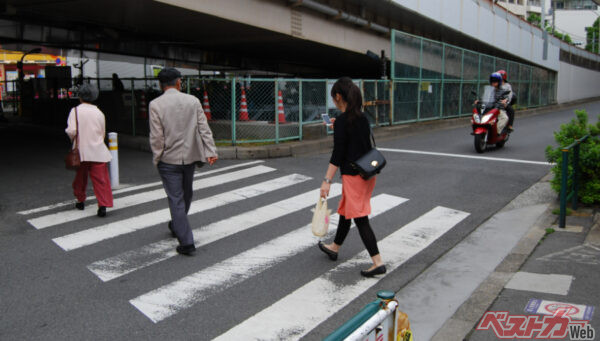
(22, 75)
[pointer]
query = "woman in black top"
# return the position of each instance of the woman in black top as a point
(352, 139)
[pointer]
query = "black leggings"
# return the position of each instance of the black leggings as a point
(366, 233)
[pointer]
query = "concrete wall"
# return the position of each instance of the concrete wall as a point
(575, 83)
(490, 24)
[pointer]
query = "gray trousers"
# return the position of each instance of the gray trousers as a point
(177, 181)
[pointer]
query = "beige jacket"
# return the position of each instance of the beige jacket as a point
(179, 131)
(91, 133)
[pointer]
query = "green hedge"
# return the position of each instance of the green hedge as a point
(589, 156)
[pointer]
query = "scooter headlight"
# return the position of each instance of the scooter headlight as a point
(486, 118)
(476, 118)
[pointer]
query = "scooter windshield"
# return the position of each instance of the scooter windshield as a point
(489, 96)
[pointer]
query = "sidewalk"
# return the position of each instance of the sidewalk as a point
(505, 263)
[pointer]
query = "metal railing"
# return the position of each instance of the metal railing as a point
(378, 320)
(569, 183)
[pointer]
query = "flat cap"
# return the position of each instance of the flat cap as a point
(168, 74)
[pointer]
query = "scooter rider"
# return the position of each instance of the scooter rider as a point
(511, 99)
(499, 97)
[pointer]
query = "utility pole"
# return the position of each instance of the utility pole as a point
(544, 32)
(553, 6)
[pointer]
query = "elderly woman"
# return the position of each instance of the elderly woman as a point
(92, 150)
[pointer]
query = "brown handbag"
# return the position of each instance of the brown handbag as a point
(72, 159)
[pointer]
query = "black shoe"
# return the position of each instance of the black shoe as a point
(80, 206)
(171, 229)
(101, 211)
(380, 270)
(186, 249)
(332, 254)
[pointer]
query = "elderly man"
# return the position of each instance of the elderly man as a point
(180, 138)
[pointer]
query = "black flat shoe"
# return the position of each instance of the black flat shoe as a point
(187, 250)
(380, 270)
(101, 211)
(171, 229)
(80, 206)
(332, 254)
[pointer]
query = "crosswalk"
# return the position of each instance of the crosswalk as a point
(301, 310)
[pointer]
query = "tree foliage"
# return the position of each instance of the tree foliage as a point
(589, 156)
(593, 37)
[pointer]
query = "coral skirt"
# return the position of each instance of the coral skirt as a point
(356, 196)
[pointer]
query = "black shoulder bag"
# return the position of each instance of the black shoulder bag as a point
(371, 163)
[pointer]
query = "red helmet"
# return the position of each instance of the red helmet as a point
(503, 73)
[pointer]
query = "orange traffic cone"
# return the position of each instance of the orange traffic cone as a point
(143, 112)
(244, 107)
(280, 111)
(206, 106)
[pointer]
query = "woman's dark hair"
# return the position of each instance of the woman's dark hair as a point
(350, 94)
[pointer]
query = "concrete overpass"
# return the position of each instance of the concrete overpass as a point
(305, 38)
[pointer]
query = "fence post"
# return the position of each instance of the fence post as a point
(420, 80)
(462, 79)
(392, 99)
(300, 113)
(393, 57)
(563, 188)
(132, 108)
(276, 113)
(575, 175)
(233, 113)
(442, 85)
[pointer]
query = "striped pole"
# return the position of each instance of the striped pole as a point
(113, 146)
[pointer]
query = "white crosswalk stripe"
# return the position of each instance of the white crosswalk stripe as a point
(301, 311)
(140, 198)
(291, 317)
(118, 228)
(170, 299)
(133, 260)
(133, 188)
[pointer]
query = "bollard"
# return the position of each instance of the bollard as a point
(113, 146)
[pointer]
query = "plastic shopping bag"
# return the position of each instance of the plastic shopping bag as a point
(320, 221)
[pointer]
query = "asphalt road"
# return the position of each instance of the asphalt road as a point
(48, 293)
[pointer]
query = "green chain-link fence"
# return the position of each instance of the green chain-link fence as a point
(430, 80)
(434, 80)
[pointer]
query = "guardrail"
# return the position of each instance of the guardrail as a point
(378, 320)
(569, 192)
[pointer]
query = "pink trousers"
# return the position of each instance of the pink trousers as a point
(100, 180)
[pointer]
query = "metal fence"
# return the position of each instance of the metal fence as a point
(434, 80)
(430, 80)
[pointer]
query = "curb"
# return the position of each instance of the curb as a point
(465, 319)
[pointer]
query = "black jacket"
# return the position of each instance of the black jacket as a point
(351, 140)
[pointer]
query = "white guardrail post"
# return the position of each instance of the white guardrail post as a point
(113, 146)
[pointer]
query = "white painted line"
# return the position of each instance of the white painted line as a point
(145, 197)
(127, 262)
(134, 188)
(549, 284)
(302, 310)
(118, 228)
(181, 294)
(465, 156)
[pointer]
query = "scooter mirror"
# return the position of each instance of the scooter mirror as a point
(473, 93)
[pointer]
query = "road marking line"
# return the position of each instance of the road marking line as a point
(133, 188)
(465, 156)
(145, 197)
(310, 305)
(118, 228)
(549, 284)
(183, 293)
(127, 262)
